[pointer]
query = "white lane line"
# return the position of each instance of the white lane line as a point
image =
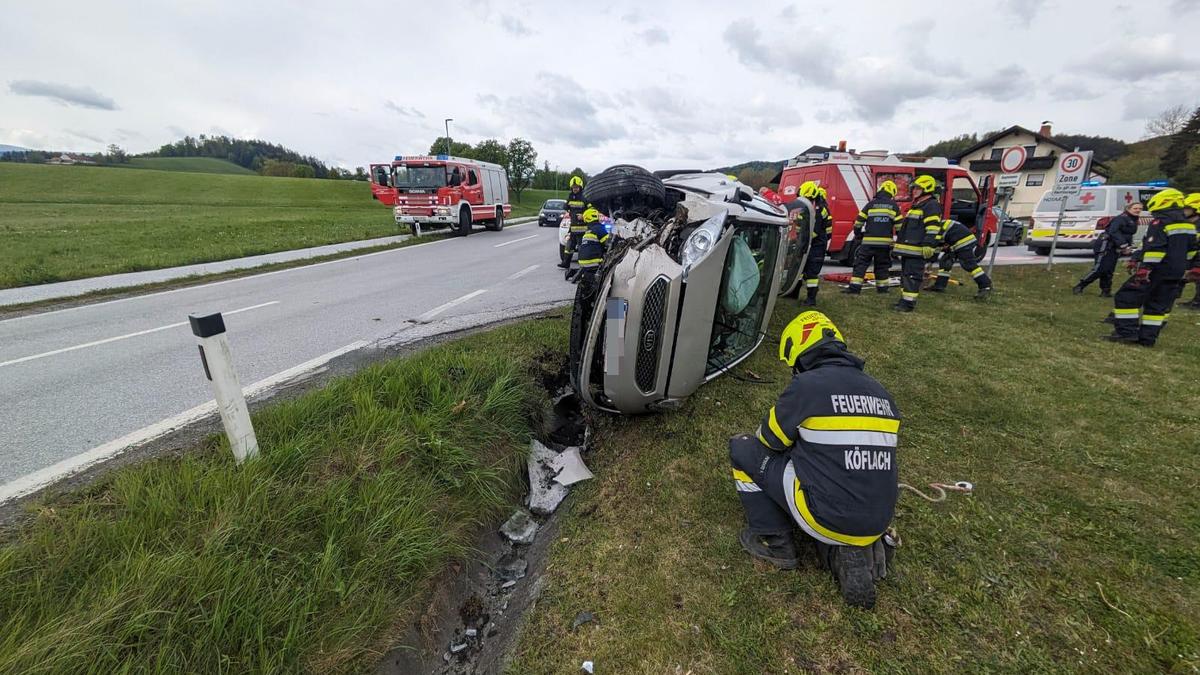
(37, 480)
(428, 316)
(105, 341)
(514, 241)
(523, 272)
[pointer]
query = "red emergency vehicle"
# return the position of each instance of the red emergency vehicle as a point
(381, 184)
(440, 190)
(851, 179)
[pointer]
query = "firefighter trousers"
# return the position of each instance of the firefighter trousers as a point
(966, 259)
(812, 267)
(1102, 271)
(1140, 309)
(912, 275)
(758, 477)
(866, 256)
(573, 241)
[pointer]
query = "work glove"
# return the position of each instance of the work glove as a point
(1192, 274)
(1141, 276)
(928, 252)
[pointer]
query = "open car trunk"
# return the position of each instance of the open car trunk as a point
(684, 296)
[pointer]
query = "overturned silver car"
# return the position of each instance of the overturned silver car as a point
(687, 286)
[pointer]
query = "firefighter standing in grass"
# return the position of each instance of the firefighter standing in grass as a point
(1191, 209)
(914, 243)
(575, 208)
(1141, 306)
(959, 244)
(1115, 241)
(824, 459)
(820, 241)
(873, 229)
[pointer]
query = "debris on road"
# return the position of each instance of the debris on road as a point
(570, 467)
(511, 567)
(544, 494)
(582, 618)
(520, 528)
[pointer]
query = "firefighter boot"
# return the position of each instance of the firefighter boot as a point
(853, 568)
(983, 293)
(777, 549)
(852, 289)
(903, 306)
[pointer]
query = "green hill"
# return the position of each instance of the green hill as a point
(1140, 161)
(192, 164)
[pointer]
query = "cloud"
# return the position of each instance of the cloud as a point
(1181, 6)
(789, 13)
(404, 111)
(63, 94)
(514, 25)
(574, 117)
(1071, 90)
(84, 135)
(1137, 60)
(655, 35)
(1002, 84)
(631, 17)
(177, 131)
(1023, 12)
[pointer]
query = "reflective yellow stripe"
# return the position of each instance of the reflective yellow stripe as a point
(1153, 256)
(590, 237)
(773, 423)
(856, 280)
(590, 262)
(852, 423)
(1126, 312)
(1154, 319)
(977, 272)
(933, 218)
(604, 239)
(877, 240)
(933, 229)
(908, 296)
(742, 476)
(886, 212)
(969, 239)
(908, 247)
(802, 507)
(916, 212)
(1180, 228)
(944, 273)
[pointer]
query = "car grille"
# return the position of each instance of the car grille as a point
(654, 309)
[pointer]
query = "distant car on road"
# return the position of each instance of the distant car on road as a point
(552, 212)
(1012, 231)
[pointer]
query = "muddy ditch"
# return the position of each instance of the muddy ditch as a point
(474, 616)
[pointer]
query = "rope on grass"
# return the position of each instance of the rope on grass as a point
(942, 488)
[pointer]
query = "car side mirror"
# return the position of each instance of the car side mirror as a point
(741, 196)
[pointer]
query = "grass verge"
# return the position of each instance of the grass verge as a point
(1077, 552)
(305, 559)
(71, 222)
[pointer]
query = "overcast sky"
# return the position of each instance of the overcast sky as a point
(663, 84)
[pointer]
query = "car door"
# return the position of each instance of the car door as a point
(799, 236)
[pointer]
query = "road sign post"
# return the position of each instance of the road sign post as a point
(1073, 169)
(1010, 166)
(217, 360)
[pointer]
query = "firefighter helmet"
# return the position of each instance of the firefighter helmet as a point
(809, 190)
(591, 215)
(889, 187)
(1192, 201)
(926, 183)
(1167, 199)
(805, 332)
(575, 182)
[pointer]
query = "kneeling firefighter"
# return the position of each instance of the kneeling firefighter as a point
(959, 244)
(824, 459)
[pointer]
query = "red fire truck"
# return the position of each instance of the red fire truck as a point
(381, 184)
(851, 179)
(440, 190)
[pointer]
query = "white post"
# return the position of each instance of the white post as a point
(217, 360)
(999, 231)
(1062, 207)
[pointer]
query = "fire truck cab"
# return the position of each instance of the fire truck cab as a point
(381, 184)
(440, 190)
(851, 179)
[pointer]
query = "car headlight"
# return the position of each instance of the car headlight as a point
(701, 241)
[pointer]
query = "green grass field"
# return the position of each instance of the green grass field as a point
(70, 222)
(1078, 551)
(309, 559)
(191, 164)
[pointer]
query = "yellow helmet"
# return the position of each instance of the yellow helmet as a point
(805, 332)
(821, 191)
(1167, 199)
(809, 190)
(590, 215)
(731, 177)
(1192, 201)
(889, 187)
(576, 181)
(926, 183)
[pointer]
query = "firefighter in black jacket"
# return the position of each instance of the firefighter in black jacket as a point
(1115, 241)
(823, 459)
(1151, 291)
(591, 245)
(959, 244)
(914, 243)
(873, 229)
(575, 208)
(1191, 208)
(822, 225)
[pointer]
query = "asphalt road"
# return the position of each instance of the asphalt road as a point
(78, 379)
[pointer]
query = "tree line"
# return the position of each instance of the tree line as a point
(268, 159)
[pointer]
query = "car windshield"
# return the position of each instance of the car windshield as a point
(744, 293)
(419, 176)
(555, 204)
(1086, 200)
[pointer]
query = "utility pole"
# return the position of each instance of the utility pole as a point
(448, 121)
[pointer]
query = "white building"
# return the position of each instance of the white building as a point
(1039, 172)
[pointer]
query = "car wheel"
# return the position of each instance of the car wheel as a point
(625, 185)
(497, 224)
(1041, 250)
(846, 255)
(464, 221)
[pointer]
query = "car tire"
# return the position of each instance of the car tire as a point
(625, 184)
(1041, 250)
(846, 255)
(464, 221)
(497, 224)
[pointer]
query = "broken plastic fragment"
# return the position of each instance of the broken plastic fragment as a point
(454, 649)
(544, 494)
(588, 667)
(582, 618)
(520, 528)
(569, 467)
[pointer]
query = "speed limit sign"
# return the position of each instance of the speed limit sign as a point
(1073, 169)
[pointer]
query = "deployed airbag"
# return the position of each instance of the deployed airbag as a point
(743, 278)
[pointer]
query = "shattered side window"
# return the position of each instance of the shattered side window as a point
(743, 295)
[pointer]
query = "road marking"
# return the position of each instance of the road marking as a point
(105, 341)
(37, 480)
(514, 241)
(428, 316)
(523, 272)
